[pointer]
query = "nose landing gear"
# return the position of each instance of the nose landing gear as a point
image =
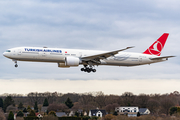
(88, 69)
(16, 65)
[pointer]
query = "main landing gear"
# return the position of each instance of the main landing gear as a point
(88, 69)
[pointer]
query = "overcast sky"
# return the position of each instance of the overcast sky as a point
(94, 25)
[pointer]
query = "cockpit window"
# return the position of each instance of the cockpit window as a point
(8, 51)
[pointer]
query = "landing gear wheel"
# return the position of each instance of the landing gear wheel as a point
(88, 69)
(94, 70)
(16, 65)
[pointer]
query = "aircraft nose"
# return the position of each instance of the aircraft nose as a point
(4, 54)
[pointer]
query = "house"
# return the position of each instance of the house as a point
(98, 113)
(39, 115)
(15, 115)
(129, 111)
(61, 114)
(85, 113)
(126, 109)
(71, 113)
(44, 109)
(144, 111)
(132, 114)
(80, 111)
(26, 114)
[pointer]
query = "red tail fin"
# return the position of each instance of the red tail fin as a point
(157, 46)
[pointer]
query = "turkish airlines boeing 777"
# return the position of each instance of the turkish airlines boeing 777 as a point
(89, 58)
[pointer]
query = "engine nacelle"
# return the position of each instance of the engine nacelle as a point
(63, 65)
(70, 61)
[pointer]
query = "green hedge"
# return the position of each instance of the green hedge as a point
(86, 118)
(69, 118)
(59, 118)
(31, 118)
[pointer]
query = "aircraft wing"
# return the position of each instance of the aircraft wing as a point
(160, 58)
(97, 57)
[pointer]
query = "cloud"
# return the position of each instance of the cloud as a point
(147, 86)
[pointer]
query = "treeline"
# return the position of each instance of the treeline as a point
(156, 103)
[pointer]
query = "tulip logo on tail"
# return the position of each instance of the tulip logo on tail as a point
(156, 48)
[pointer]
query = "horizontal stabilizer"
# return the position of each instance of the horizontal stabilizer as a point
(160, 58)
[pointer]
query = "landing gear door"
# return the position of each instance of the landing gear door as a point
(140, 59)
(19, 52)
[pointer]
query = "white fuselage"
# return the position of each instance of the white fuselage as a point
(39, 54)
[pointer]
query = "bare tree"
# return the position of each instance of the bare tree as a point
(155, 96)
(110, 99)
(166, 104)
(53, 107)
(11, 108)
(128, 98)
(111, 107)
(176, 93)
(2, 116)
(77, 106)
(34, 97)
(56, 108)
(51, 97)
(100, 99)
(120, 101)
(39, 97)
(88, 107)
(86, 98)
(141, 100)
(73, 96)
(153, 106)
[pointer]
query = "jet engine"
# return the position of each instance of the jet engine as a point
(70, 61)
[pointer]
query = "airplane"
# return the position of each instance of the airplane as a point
(66, 58)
